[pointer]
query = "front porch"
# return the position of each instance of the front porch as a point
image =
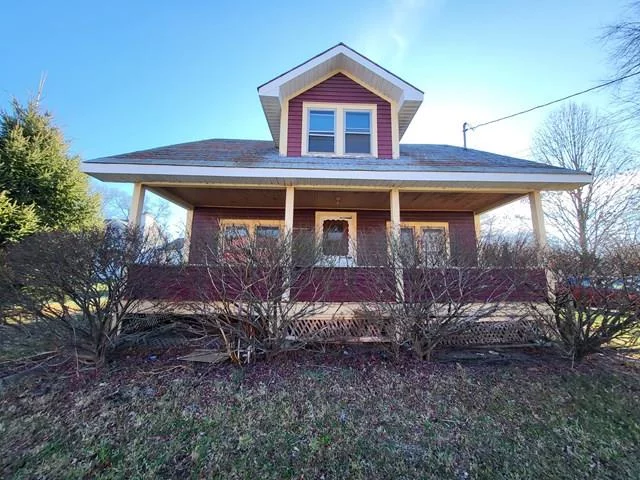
(347, 285)
(358, 210)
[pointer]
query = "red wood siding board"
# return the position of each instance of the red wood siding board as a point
(339, 89)
(194, 283)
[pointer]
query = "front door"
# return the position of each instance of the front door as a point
(337, 234)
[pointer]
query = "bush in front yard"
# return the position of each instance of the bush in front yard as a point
(422, 295)
(592, 302)
(254, 291)
(75, 287)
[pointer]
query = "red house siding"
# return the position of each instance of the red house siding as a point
(462, 232)
(345, 284)
(339, 89)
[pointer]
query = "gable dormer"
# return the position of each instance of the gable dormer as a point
(339, 103)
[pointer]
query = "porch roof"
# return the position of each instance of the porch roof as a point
(257, 161)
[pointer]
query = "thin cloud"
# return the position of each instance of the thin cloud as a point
(389, 37)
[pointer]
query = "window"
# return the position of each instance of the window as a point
(339, 129)
(426, 242)
(357, 132)
(322, 131)
(235, 233)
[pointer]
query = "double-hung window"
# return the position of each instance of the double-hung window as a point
(357, 132)
(340, 129)
(322, 131)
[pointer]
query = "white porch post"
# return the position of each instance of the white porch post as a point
(288, 232)
(476, 223)
(537, 219)
(288, 211)
(395, 238)
(187, 234)
(137, 205)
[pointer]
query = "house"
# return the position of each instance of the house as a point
(335, 165)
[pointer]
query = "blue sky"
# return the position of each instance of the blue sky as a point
(124, 76)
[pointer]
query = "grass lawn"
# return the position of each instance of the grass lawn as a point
(333, 416)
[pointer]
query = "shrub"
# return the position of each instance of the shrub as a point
(75, 286)
(420, 299)
(593, 301)
(254, 291)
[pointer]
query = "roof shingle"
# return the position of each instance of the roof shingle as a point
(264, 154)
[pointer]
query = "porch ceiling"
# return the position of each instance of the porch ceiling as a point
(336, 199)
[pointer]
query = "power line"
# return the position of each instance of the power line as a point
(553, 101)
(526, 151)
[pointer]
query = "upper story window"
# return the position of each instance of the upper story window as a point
(339, 129)
(322, 131)
(357, 132)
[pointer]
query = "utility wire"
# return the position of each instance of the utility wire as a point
(555, 101)
(526, 151)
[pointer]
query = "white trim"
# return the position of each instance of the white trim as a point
(283, 135)
(301, 176)
(395, 131)
(352, 220)
(340, 110)
(272, 88)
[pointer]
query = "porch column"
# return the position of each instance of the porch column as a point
(537, 219)
(137, 205)
(187, 234)
(476, 223)
(288, 231)
(288, 211)
(395, 238)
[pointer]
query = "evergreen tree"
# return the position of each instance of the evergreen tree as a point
(38, 176)
(16, 221)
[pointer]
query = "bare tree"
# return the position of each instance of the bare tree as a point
(257, 291)
(577, 138)
(623, 39)
(77, 287)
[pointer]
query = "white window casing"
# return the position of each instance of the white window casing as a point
(340, 110)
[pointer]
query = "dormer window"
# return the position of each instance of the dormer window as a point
(322, 131)
(339, 129)
(357, 132)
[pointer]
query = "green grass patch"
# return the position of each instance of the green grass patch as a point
(374, 420)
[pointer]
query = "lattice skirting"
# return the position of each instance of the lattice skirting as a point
(489, 332)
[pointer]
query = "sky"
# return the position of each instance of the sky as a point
(125, 76)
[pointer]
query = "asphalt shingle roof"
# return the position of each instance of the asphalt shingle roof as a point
(264, 154)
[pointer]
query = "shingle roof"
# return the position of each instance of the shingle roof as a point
(263, 154)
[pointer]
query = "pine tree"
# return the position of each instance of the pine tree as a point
(38, 176)
(16, 221)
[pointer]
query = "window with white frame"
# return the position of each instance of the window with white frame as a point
(357, 132)
(322, 131)
(339, 129)
(236, 232)
(427, 241)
